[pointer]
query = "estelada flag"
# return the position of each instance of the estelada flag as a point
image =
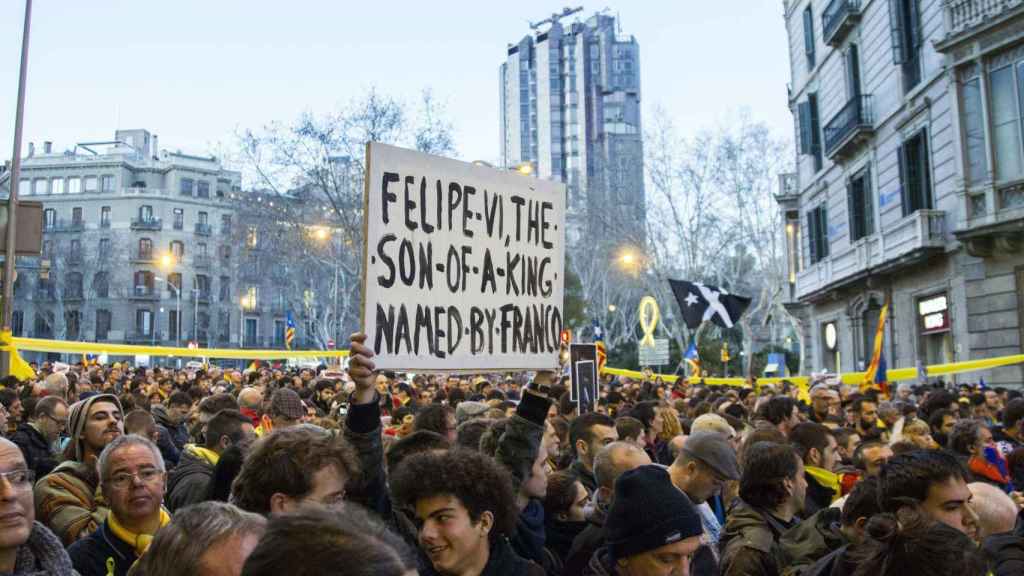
(876, 375)
(700, 303)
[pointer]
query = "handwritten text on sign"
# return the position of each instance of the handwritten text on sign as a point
(465, 264)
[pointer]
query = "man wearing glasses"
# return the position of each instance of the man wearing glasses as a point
(26, 546)
(132, 479)
(38, 437)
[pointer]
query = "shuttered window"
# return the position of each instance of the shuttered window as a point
(915, 176)
(859, 204)
(817, 233)
(809, 36)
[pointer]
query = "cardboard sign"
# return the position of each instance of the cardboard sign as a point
(583, 377)
(464, 264)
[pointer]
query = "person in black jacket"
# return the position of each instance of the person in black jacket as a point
(465, 509)
(587, 434)
(999, 528)
(189, 482)
(37, 437)
(171, 420)
(817, 446)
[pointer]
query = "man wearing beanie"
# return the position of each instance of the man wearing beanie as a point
(652, 527)
(66, 499)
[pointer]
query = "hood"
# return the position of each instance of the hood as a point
(814, 537)
(160, 415)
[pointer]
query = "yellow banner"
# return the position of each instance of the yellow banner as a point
(39, 345)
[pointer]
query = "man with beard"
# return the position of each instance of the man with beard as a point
(865, 412)
(132, 478)
(36, 437)
(942, 422)
(66, 498)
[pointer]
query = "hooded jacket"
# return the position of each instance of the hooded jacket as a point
(172, 438)
(189, 482)
(811, 540)
(42, 555)
(750, 543)
(69, 502)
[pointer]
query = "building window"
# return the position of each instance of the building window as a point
(73, 285)
(905, 29)
(974, 131)
(187, 186)
(104, 248)
(817, 233)
(144, 322)
(101, 285)
(201, 249)
(1006, 121)
(91, 183)
(251, 335)
(105, 217)
(225, 224)
(74, 185)
(225, 288)
(146, 213)
(49, 219)
(76, 215)
(173, 279)
(202, 285)
(102, 324)
(75, 253)
(250, 300)
(57, 186)
(252, 237)
(858, 196)
(143, 281)
(810, 130)
(203, 218)
(179, 219)
(203, 189)
(278, 332)
(225, 252)
(809, 36)
(108, 183)
(72, 324)
(18, 322)
(915, 177)
(145, 249)
(24, 187)
(177, 249)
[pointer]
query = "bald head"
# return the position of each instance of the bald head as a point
(615, 459)
(675, 445)
(250, 398)
(996, 512)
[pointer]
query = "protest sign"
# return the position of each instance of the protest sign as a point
(464, 264)
(583, 378)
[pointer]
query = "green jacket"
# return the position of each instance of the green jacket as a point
(750, 543)
(69, 502)
(811, 540)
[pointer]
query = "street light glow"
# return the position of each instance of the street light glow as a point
(166, 261)
(627, 258)
(320, 233)
(525, 168)
(612, 308)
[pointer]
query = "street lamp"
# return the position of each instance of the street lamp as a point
(323, 234)
(612, 308)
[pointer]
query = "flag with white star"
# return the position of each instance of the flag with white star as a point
(700, 303)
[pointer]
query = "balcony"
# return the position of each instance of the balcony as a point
(994, 221)
(64, 226)
(849, 128)
(143, 257)
(201, 296)
(74, 258)
(152, 224)
(144, 293)
(967, 18)
(142, 338)
(910, 240)
(203, 229)
(839, 17)
(201, 261)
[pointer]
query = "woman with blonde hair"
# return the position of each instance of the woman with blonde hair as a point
(670, 426)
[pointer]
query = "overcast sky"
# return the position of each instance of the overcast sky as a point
(194, 71)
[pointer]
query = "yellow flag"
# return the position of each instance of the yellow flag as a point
(19, 368)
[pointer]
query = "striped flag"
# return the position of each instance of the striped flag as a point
(693, 359)
(876, 375)
(289, 332)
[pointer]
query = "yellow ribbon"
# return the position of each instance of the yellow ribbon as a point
(649, 316)
(140, 542)
(205, 453)
(41, 345)
(827, 479)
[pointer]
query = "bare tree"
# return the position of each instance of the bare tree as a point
(307, 208)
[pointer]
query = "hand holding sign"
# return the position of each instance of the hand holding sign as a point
(361, 369)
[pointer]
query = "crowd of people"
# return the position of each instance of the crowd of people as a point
(112, 470)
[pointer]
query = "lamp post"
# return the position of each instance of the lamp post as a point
(323, 234)
(177, 313)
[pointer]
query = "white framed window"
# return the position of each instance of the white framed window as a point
(57, 186)
(74, 185)
(91, 183)
(25, 187)
(108, 183)
(40, 186)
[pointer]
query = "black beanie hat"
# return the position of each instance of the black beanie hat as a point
(648, 512)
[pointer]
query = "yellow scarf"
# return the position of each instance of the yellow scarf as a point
(204, 453)
(140, 541)
(827, 479)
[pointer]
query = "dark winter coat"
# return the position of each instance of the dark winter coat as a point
(585, 476)
(171, 438)
(818, 497)
(1005, 553)
(811, 540)
(584, 546)
(750, 543)
(601, 564)
(35, 449)
(92, 555)
(560, 534)
(836, 563)
(189, 482)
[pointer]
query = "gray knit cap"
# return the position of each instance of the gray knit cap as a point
(78, 414)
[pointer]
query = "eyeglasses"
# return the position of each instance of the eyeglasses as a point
(63, 423)
(123, 480)
(19, 479)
